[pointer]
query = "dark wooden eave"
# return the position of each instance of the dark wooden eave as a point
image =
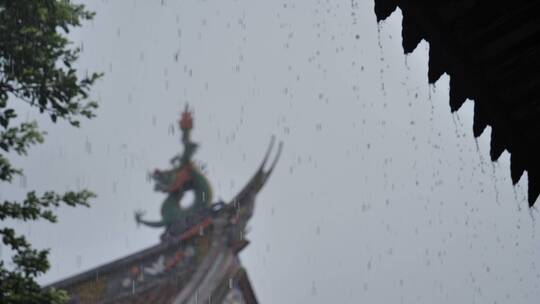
(491, 51)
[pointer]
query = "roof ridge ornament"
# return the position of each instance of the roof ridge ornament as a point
(185, 176)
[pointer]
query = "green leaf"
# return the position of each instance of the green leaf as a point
(37, 62)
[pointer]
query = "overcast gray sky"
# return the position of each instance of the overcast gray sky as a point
(381, 194)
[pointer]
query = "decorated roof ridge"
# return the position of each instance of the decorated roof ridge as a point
(199, 247)
(109, 267)
(251, 188)
(195, 272)
(260, 177)
(488, 53)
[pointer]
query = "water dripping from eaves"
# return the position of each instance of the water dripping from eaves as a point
(381, 57)
(516, 199)
(407, 63)
(432, 110)
(533, 220)
(456, 130)
(481, 158)
(495, 181)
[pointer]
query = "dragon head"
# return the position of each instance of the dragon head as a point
(163, 179)
(171, 180)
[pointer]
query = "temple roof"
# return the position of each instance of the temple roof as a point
(198, 263)
(490, 50)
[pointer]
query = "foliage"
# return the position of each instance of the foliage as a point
(36, 67)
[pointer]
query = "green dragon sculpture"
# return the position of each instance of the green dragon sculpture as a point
(183, 177)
